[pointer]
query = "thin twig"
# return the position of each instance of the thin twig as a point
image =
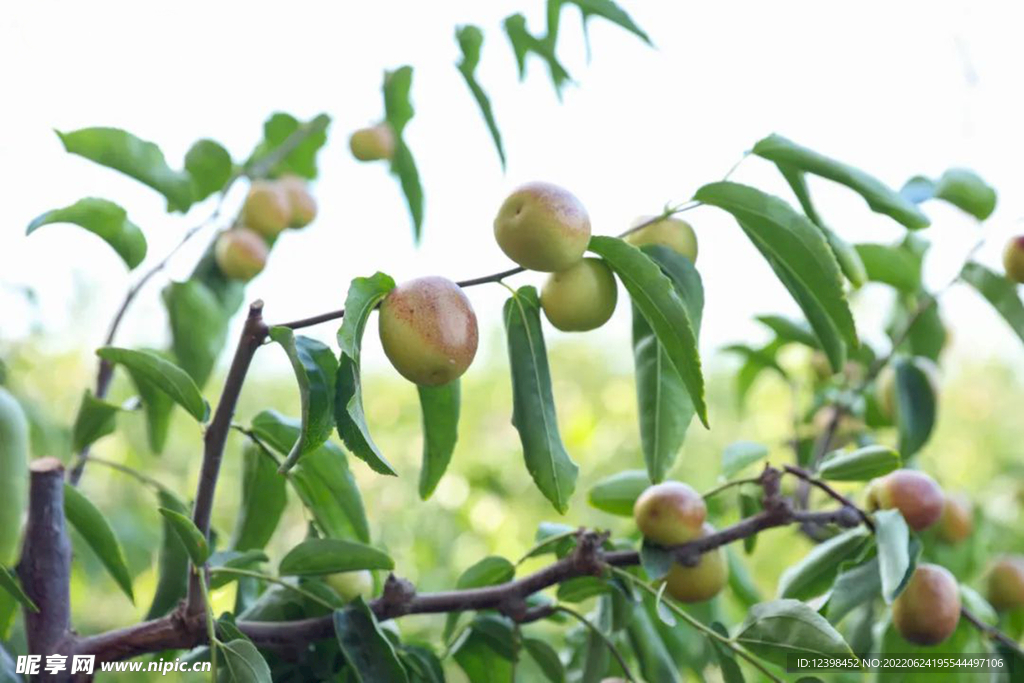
(728, 485)
(273, 579)
(992, 632)
(831, 492)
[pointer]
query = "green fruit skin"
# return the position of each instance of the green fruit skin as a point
(266, 209)
(241, 254)
(885, 385)
(956, 523)
(582, 298)
(543, 227)
(701, 582)
(673, 233)
(928, 610)
(14, 450)
(916, 495)
(1006, 583)
(302, 204)
(373, 143)
(670, 513)
(1013, 259)
(350, 585)
(428, 330)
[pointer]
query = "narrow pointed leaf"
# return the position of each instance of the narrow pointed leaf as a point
(106, 220)
(440, 409)
(96, 418)
(319, 556)
(263, 500)
(739, 455)
(731, 672)
(241, 662)
(790, 331)
(487, 572)
(916, 406)
(616, 494)
(368, 652)
(98, 535)
(471, 39)
(961, 187)
(607, 9)
(191, 537)
(161, 373)
(782, 628)
(9, 583)
(199, 327)
(172, 562)
(398, 111)
(546, 659)
(524, 43)
(1000, 292)
(814, 574)
(301, 160)
(893, 265)
(158, 406)
(862, 464)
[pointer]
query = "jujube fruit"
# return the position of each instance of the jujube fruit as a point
(241, 254)
(266, 209)
(350, 585)
(1013, 259)
(885, 385)
(916, 495)
(373, 143)
(300, 201)
(1006, 582)
(928, 610)
(542, 227)
(581, 298)
(14, 449)
(956, 522)
(670, 513)
(669, 232)
(704, 580)
(428, 330)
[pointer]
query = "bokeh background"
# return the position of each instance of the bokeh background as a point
(897, 89)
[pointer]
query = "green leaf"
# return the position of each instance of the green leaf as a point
(106, 220)
(800, 256)
(95, 419)
(856, 585)
(478, 657)
(98, 535)
(916, 405)
(158, 407)
(880, 198)
(781, 628)
(731, 672)
(322, 479)
(961, 187)
(199, 327)
(10, 584)
(319, 556)
(300, 161)
(1000, 292)
(655, 559)
(739, 455)
(814, 574)
(893, 265)
(363, 296)
(524, 43)
(189, 534)
(790, 331)
(659, 301)
(440, 410)
(209, 166)
(533, 404)
(751, 502)
(471, 39)
(368, 652)
(893, 552)
(607, 9)
(398, 111)
(616, 494)
(147, 366)
(489, 571)
(655, 661)
(241, 662)
(546, 658)
(740, 581)
(233, 559)
(580, 588)
(422, 664)
(315, 370)
(136, 158)
(859, 465)
(263, 499)
(172, 562)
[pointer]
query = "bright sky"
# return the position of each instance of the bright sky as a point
(898, 88)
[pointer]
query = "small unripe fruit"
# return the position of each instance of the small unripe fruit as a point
(350, 585)
(301, 202)
(928, 609)
(581, 298)
(916, 495)
(373, 143)
(670, 513)
(266, 209)
(701, 582)
(670, 232)
(1013, 259)
(956, 522)
(241, 254)
(428, 330)
(542, 227)
(1006, 583)
(885, 385)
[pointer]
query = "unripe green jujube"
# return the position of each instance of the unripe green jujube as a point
(885, 385)
(428, 330)
(916, 495)
(350, 585)
(266, 209)
(1006, 583)
(581, 298)
(301, 202)
(673, 233)
(14, 451)
(956, 522)
(543, 227)
(241, 254)
(670, 513)
(1013, 259)
(703, 581)
(928, 610)
(373, 143)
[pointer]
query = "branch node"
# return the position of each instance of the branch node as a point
(587, 558)
(398, 593)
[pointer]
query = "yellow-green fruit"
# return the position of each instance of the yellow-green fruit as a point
(673, 233)
(241, 254)
(670, 513)
(428, 330)
(350, 585)
(928, 609)
(13, 475)
(301, 202)
(543, 227)
(581, 298)
(1013, 259)
(956, 522)
(266, 209)
(702, 581)
(916, 495)
(1006, 583)
(373, 143)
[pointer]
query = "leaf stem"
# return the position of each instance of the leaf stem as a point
(275, 580)
(600, 634)
(729, 484)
